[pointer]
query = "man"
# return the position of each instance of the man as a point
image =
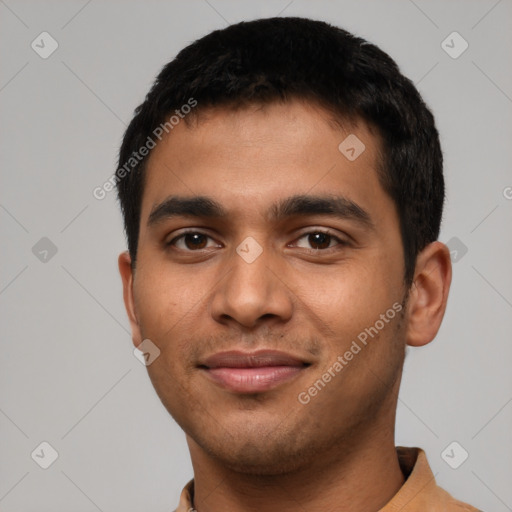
(282, 193)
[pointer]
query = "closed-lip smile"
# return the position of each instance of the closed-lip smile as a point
(252, 372)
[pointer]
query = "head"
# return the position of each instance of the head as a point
(307, 172)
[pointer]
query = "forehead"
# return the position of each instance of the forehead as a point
(248, 157)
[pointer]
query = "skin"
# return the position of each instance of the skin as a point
(267, 451)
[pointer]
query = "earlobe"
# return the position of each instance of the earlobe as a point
(429, 294)
(125, 269)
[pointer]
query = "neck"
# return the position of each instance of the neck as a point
(363, 476)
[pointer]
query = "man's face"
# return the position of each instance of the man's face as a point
(261, 277)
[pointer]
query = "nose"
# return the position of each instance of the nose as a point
(252, 292)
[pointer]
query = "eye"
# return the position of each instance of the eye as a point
(191, 241)
(320, 240)
(314, 241)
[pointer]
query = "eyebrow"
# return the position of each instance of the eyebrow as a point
(294, 206)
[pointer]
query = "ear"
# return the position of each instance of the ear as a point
(428, 294)
(125, 269)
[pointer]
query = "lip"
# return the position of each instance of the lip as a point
(252, 372)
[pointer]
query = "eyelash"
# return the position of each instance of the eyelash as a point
(339, 241)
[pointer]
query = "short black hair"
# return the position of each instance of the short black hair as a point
(284, 58)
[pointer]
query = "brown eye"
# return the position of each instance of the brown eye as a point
(195, 240)
(191, 241)
(319, 240)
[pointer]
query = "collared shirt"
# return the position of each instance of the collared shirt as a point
(420, 493)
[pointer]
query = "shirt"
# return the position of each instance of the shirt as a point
(419, 493)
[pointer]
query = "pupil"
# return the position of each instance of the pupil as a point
(319, 239)
(196, 239)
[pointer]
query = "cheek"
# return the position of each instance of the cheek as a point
(351, 297)
(165, 301)
(167, 308)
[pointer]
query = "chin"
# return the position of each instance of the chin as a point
(259, 451)
(251, 460)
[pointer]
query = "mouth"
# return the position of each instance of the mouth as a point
(244, 372)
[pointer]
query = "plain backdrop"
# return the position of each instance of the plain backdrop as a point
(68, 374)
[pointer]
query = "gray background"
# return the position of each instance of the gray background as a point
(68, 374)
